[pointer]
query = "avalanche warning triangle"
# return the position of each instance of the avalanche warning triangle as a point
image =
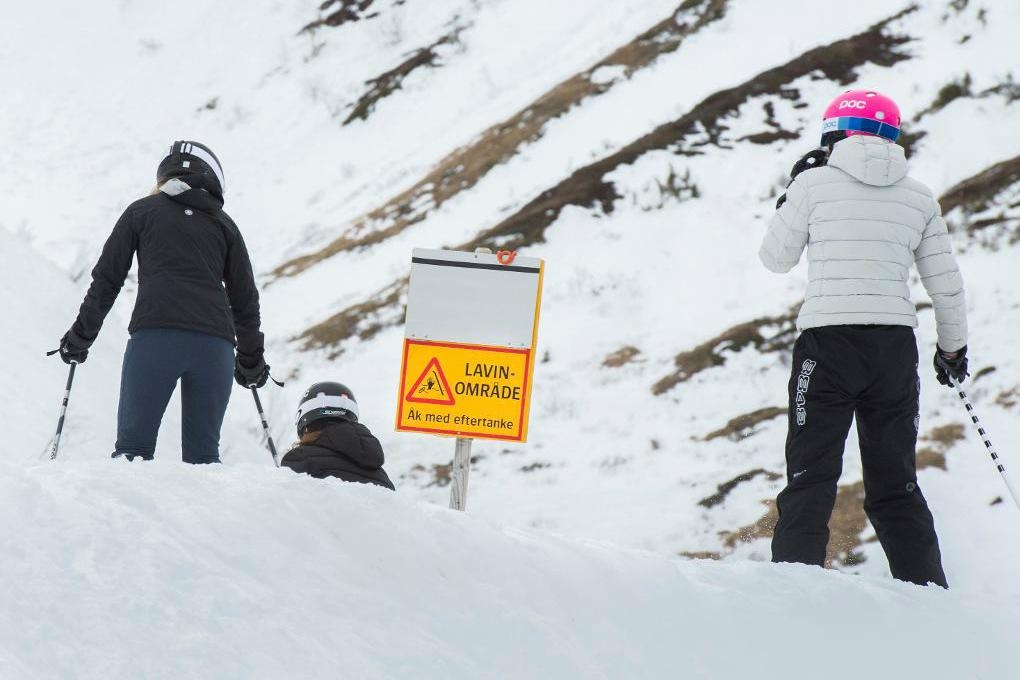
(432, 386)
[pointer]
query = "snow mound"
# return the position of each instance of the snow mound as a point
(161, 570)
(39, 302)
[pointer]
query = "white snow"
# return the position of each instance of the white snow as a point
(157, 570)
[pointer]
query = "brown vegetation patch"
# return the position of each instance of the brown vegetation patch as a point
(701, 555)
(846, 525)
(702, 126)
(766, 334)
(466, 166)
(1008, 398)
(941, 439)
(910, 139)
(621, 357)
(762, 528)
(344, 12)
(978, 193)
(743, 426)
(437, 474)
(984, 372)
(949, 93)
(724, 489)
(393, 80)
(363, 320)
(777, 133)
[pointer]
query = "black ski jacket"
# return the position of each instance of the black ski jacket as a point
(193, 271)
(346, 450)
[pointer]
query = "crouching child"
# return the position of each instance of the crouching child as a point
(332, 441)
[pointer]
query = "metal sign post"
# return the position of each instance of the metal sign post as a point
(459, 474)
(469, 350)
(461, 467)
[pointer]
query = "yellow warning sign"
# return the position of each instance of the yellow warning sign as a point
(465, 390)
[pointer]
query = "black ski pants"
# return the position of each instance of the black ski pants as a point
(870, 372)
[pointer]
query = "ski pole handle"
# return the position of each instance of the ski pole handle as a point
(63, 411)
(265, 425)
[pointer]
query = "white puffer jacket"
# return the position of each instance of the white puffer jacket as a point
(864, 223)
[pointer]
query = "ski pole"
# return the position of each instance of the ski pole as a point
(63, 411)
(984, 436)
(265, 424)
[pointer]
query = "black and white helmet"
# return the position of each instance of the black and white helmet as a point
(191, 158)
(325, 400)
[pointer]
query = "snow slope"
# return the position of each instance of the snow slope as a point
(153, 570)
(36, 298)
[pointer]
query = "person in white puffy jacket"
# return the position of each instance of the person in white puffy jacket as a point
(864, 223)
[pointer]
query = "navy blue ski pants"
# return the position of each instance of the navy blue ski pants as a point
(156, 358)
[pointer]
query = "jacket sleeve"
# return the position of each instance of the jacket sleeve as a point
(787, 234)
(107, 279)
(243, 296)
(942, 280)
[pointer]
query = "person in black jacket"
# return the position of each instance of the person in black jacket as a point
(333, 442)
(196, 299)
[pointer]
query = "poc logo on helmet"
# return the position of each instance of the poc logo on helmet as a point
(853, 104)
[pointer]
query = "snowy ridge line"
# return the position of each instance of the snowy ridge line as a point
(589, 187)
(464, 168)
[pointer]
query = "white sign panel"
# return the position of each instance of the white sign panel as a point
(473, 298)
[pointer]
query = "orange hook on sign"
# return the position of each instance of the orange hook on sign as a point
(506, 256)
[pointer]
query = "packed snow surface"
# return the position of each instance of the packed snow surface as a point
(161, 570)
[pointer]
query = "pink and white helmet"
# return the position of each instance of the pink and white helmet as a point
(862, 112)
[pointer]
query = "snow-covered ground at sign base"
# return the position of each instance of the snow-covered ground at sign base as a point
(161, 570)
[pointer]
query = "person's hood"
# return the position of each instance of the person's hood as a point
(354, 441)
(179, 190)
(871, 160)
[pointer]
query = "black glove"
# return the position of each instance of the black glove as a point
(73, 349)
(812, 159)
(956, 366)
(250, 371)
